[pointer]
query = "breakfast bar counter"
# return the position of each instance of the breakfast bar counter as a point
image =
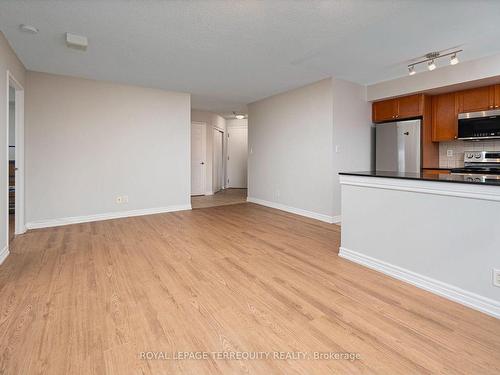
(440, 232)
(429, 176)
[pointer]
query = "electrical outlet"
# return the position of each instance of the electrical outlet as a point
(125, 199)
(449, 153)
(119, 200)
(496, 277)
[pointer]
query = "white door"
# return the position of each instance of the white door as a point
(218, 169)
(198, 154)
(237, 145)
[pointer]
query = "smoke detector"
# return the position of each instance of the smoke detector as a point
(77, 41)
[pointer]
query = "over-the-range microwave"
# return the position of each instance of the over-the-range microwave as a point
(479, 125)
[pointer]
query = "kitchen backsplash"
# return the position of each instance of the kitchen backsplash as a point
(459, 147)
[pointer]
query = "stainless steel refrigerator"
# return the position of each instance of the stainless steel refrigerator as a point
(397, 146)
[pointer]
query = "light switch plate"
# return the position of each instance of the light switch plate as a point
(449, 153)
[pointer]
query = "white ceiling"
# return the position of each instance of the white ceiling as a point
(230, 53)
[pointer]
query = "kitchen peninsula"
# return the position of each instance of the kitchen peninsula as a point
(440, 232)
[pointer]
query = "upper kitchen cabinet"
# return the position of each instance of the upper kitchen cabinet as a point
(445, 117)
(410, 106)
(478, 99)
(497, 96)
(397, 109)
(384, 110)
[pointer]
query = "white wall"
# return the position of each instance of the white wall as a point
(237, 163)
(352, 133)
(290, 137)
(8, 61)
(235, 122)
(88, 142)
(301, 139)
(213, 120)
(487, 68)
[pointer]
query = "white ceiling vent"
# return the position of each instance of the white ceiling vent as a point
(77, 41)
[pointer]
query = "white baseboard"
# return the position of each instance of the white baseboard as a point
(297, 211)
(4, 253)
(464, 297)
(107, 216)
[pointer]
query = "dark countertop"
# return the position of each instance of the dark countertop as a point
(424, 176)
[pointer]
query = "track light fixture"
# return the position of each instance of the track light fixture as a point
(431, 58)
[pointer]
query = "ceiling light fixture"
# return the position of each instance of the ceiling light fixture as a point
(238, 116)
(431, 59)
(28, 29)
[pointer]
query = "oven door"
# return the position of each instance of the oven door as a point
(479, 125)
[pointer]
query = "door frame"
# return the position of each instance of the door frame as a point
(20, 226)
(223, 164)
(204, 153)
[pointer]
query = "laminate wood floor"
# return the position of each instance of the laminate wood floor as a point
(12, 223)
(221, 198)
(91, 298)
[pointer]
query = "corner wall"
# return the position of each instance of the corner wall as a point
(301, 139)
(87, 142)
(352, 133)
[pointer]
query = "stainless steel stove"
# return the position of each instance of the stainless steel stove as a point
(480, 166)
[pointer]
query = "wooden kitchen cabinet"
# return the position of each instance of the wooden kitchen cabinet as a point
(477, 99)
(410, 106)
(445, 117)
(497, 96)
(384, 110)
(398, 109)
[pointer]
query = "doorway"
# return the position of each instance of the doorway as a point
(15, 157)
(198, 155)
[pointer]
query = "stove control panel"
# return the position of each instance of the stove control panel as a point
(492, 157)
